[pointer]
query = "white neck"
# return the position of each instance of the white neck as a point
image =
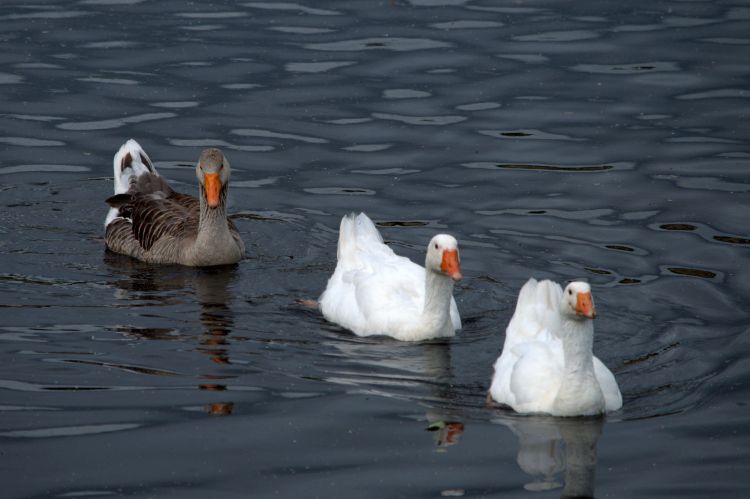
(437, 299)
(579, 391)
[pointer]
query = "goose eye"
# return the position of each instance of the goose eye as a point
(570, 291)
(436, 246)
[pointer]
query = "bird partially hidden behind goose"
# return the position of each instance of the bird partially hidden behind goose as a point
(547, 364)
(373, 291)
(150, 221)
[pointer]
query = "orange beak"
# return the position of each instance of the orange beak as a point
(450, 264)
(585, 305)
(212, 185)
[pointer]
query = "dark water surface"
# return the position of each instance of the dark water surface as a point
(605, 140)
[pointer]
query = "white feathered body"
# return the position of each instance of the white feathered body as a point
(373, 291)
(530, 372)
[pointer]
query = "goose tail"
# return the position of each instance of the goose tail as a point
(130, 161)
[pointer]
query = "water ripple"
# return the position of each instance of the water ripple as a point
(558, 36)
(111, 44)
(111, 2)
(43, 168)
(529, 134)
(108, 81)
(348, 191)
(527, 58)
(479, 106)
(387, 171)
(570, 240)
(30, 142)
(706, 183)
(123, 367)
(722, 93)
(368, 147)
(316, 67)
(10, 79)
(240, 86)
(349, 121)
(253, 184)
(549, 168)
(405, 93)
(436, 3)
(113, 123)
(301, 30)
(176, 104)
(69, 431)
(254, 132)
(727, 40)
(626, 69)
(52, 14)
(593, 217)
(219, 143)
(705, 231)
(395, 44)
(291, 6)
(421, 120)
(505, 10)
(467, 24)
(203, 27)
(36, 65)
(212, 15)
(691, 272)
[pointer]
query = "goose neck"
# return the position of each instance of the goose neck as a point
(438, 292)
(213, 228)
(578, 342)
(579, 392)
(210, 217)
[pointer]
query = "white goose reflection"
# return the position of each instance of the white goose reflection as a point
(557, 452)
(407, 371)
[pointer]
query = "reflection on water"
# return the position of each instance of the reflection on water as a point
(421, 372)
(211, 288)
(557, 452)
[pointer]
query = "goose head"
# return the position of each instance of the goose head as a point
(577, 301)
(213, 173)
(442, 256)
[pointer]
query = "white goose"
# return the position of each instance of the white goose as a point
(373, 291)
(547, 364)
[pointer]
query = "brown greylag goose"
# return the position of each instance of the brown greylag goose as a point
(153, 223)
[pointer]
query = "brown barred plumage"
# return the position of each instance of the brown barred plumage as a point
(155, 224)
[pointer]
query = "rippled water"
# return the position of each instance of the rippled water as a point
(605, 140)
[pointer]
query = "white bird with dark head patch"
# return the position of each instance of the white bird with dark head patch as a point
(373, 291)
(547, 364)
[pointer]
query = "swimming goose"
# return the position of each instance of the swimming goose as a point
(151, 222)
(547, 364)
(373, 291)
